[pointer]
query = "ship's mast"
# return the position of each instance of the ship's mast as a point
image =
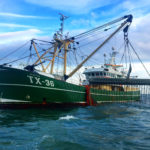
(113, 56)
(62, 19)
(104, 58)
(66, 43)
(60, 46)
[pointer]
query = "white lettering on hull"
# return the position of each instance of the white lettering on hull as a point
(30, 78)
(39, 81)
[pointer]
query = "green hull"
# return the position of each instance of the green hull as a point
(20, 86)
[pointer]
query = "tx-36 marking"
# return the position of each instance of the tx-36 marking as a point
(39, 81)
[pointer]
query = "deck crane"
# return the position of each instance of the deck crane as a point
(125, 25)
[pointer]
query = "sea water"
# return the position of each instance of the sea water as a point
(118, 126)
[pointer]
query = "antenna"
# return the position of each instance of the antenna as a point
(104, 58)
(113, 56)
(113, 48)
(62, 18)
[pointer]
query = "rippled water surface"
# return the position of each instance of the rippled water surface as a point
(106, 127)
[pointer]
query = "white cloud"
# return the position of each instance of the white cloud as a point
(135, 7)
(135, 4)
(10, 25)
(81, 21)
(72, 6)
(138, 70)
(22, 16)
(94, 15)
(140, 35)
(11, 37)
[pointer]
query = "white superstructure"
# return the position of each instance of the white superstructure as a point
(108, 70)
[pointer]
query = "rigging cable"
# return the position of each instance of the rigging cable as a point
(139, 58)
(100, 27)
(30, 49)
(43, 41)
(92, 41)
(23, 58)
(14, 51)
(96, 32)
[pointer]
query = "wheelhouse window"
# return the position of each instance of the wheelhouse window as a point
(119, 76)
(101, 74)
(97, 73)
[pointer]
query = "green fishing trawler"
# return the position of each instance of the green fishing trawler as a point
(29, 86)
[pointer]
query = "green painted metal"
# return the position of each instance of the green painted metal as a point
(113, 96)
(17, 84)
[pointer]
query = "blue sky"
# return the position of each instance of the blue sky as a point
(22, 20)
(42, 15)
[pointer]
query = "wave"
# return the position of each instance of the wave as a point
(68, 117)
